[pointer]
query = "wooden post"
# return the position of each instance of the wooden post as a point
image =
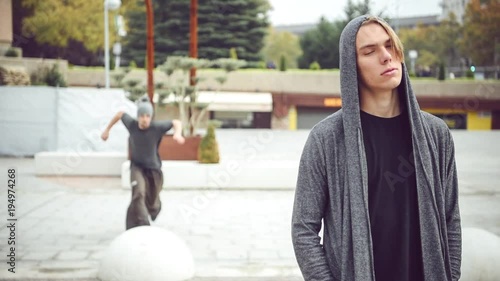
(150, 50)
(193, 38)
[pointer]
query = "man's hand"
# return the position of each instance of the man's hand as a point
(105, 135)
(179, 138)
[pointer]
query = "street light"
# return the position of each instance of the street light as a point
(117, 51)
(121, 32)
(413, 57)
(108, 5)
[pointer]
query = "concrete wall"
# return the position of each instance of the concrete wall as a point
(299, 82)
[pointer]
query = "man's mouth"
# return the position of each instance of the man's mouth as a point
(389, 71)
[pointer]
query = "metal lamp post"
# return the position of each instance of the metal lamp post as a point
(413, 57)
(193, 37)
(150, 48)
(121, 32)
(108, 5)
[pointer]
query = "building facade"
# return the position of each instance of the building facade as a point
(457, 7)
(5, 25)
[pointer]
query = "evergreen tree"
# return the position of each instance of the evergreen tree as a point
(321, 44)
(353, 10)
(222, 25)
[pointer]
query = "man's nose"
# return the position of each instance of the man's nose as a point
(385, 56)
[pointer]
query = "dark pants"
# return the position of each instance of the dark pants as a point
(146, 186)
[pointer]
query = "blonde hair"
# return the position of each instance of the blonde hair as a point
(393, 37)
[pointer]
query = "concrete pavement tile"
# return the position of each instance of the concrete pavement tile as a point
(96, 255)
(39, 255)
(203, 254)
(220, 269)
(67, 265)
(237, 271)
(286, 253)
(48, 247)
(23, 270)
(263, 254)
(220, 242)
(106, 242)
(27, 235)
(280, 263)
(27, 222)
(231, 254)
(72, 255)
(201, 230)
(89, 247)
(263, 244)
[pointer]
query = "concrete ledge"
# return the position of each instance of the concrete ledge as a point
(234, 174)
(79, 164)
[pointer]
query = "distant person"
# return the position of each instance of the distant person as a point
(379, 173)
(146, 177)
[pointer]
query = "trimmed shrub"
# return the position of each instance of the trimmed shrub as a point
(442, 74)
(208, 151)
(469, 74)
(314, 66)
(11, 52)
(282, 63)
(233, 54)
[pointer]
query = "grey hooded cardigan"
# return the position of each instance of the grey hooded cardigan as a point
(332, 187)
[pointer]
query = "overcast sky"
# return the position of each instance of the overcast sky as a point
(310, 11)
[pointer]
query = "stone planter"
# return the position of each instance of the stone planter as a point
(169, 149)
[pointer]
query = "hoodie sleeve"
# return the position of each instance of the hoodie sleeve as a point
(308, 210)
(452, 211)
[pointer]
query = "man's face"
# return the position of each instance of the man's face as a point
(144, 121)
(378, 66)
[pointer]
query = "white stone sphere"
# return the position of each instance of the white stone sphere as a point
(146, 253)
(480, 255)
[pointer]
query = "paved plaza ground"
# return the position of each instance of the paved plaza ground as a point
(65, 224)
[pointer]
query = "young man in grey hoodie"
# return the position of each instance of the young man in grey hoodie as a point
(379, 173)
(146, 176)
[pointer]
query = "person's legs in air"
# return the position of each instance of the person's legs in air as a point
(137, 213)
(155, 185)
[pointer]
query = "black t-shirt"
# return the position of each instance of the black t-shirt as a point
(144, 143)
(392, 198)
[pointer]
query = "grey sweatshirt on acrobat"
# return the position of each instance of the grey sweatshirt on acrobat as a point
(332, 186)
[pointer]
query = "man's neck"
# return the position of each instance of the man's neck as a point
(381, 104)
